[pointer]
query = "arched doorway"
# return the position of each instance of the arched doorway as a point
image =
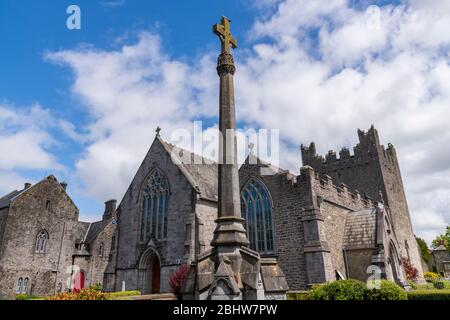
(156, 277)
(78, 282)
(150, 272)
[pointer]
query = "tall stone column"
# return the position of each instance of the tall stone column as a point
(230, 270)
(230, 233)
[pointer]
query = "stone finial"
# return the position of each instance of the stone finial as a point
(158, 131)
(27, 185)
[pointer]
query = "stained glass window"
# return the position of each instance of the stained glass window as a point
(257, 211)
(155, 207)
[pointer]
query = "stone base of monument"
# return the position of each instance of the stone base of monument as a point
(238, 275)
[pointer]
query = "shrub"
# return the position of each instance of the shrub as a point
(429, 295)
(387, 291)
(178, 278)
(339, 290)
(84, 294)
(97, 287)
(413, 284)
(430, 276)
(116, 295)
(410, 270)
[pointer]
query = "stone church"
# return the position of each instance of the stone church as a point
(244, 235)
(332, 221)
(45, 249)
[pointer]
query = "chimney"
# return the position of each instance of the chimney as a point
(27, 185)
(110, 209)
(64, 185)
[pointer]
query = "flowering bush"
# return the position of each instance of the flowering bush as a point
(84, 294)
(430, 276)
(177, 279)
(410, 270)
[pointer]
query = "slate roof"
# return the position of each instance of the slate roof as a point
(94, 229)
(4, 201)
(360, 229)
(201, 172)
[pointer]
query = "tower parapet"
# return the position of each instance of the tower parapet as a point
(374, 171)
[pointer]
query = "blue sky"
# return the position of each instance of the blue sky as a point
(83, 104)
(30, 29)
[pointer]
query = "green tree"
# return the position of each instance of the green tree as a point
(443, 237)
(423, 247)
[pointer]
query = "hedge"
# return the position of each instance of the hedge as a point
(120, 294)
(339, 290)
(429, 294)
(388, 291)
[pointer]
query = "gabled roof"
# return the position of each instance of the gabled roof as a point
(5, 201)
(202, 173)
(95, 228)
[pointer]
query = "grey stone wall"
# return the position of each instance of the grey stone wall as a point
(28, 215)
(172, 250)
(374, 171)
(288, 200)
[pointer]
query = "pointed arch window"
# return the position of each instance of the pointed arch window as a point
(22, 285)
(41, 241)
(19, 286)
(155, 207)
(257, 211)
(101, 249)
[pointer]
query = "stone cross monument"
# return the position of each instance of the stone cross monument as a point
(230, 270)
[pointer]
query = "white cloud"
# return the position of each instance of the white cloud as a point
(129, 93)
(24, 139)
(353, 73)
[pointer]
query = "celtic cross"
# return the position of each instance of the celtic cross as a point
(222, 30)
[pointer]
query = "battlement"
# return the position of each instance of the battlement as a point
(328, 189)
(366, 151)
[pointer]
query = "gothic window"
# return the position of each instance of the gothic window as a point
(25, 286)
(101, 248)
(41, 241)
(155, 207)
(257, 211)
(19, 286)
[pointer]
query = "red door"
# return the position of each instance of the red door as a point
(156, 276)
(78, 282)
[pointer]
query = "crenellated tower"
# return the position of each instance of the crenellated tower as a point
(374, 171)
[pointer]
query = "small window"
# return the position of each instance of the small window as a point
(25, 286)
(47, 205)
(101, 248)
(113, 243)
(110, 258)
(19, 286)
(41, 241)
